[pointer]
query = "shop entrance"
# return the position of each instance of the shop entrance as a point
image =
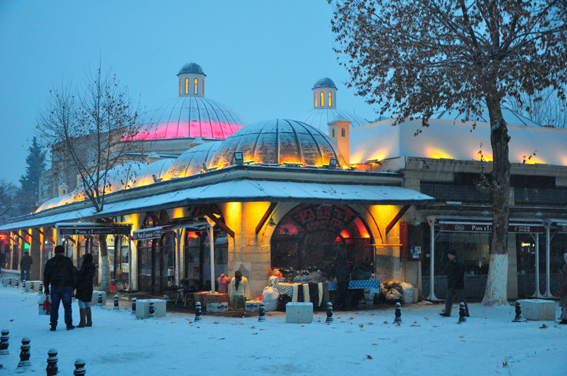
(312, 235)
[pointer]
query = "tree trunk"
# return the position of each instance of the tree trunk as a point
(105, 265)
(497, 283)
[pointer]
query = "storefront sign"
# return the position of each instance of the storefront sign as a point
(324, 218)
(512, 228)
(147, 234)
(95, 230)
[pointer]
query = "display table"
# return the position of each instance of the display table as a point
(372, 285)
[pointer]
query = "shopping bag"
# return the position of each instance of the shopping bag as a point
(44, 304)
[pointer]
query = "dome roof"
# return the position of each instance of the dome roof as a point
(146, 174)
(324, 82)
(276, 142)
(56, 201)
(190, 117)
(191, 162)
(320, 117)
(191, 68)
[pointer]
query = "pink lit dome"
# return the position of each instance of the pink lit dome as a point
(191, 115)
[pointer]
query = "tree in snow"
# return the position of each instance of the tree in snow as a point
(8, 198)
(35, 161)
(544, 109)
(415, 58)
(89, 131)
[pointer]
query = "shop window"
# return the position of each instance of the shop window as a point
(195, 86)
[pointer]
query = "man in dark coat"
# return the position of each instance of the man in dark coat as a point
(455, 283)
(342, 273)
(60, 273)
(2, 261)
(25, 266)
(84, 286)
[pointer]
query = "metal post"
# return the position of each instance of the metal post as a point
(537, 293)
(212, 246)
(547, 260)
(431, 221)
(130, 274)
(178, 234)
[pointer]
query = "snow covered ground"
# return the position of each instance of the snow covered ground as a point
(357, 343)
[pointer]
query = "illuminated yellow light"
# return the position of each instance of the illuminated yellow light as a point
(315, 94)
(322, 99)
(178, 213)
(435, 153)
(330, 99)
(186, 86)
(196, 85)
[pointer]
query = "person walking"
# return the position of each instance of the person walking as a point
(84, 287)
(25, 266)
(562, 292)
(60, 273)
(455, 283)
(2, 261)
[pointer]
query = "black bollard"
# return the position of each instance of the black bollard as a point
(462, 313)
(133, 306)
(25, 354)
(31, 286)
(40, 288)
(329, 313)
(519, 317)
(16, 284)
(9, 282)
(4, 342)
(99, 301)
(398, 319)
(197, 311)
(80, 367)
(51, 362)
(116, 302)
(261, 312)
(152, 314)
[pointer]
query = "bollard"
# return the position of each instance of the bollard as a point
(40, 289)
(80, 367)
(2, 280)
(99, 300)
(133, 306)
(329, 313)
(462, 313)
(261, 312)
(116, 302)
(9, 282)
(197, 311)
(398, 319)
(519, 317)
(24, 355)
(51, 362)
(4, 342)
(31, 286)
(152, 314)
(16, 283)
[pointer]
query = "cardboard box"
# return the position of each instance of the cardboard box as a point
(215, 298)
(217, 307)
(200, 297)
(252, 305)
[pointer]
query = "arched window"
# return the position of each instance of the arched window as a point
(196, 85)
(343, 132)
(180, 87)
(333, 132)
(330, 99)
(186, 86)
(322, 99)
(203, 88)
(315, 94)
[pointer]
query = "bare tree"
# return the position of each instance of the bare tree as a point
(417, 57)
(89, 130)
(8, 198)
(544, 109)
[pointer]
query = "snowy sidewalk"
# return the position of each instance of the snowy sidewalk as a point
(357, 343)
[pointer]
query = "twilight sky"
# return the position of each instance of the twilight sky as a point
(261, 57)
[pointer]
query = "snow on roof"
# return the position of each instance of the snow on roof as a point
(454, 140)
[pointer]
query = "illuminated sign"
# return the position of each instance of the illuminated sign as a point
(95, 230)
(527, 244)
(467, 227)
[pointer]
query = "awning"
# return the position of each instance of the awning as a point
(243, 190)
(157, 232)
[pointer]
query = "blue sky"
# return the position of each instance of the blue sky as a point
(261, 57)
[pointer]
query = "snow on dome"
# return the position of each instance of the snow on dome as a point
(56, 201)
(324, 82)
(191, 68)
(320, 117)
(190, 117)
(146, 174)
(277, 142)
(454, 140)
(191, 162)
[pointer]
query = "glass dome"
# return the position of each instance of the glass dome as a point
(278, 142)
(191, 162)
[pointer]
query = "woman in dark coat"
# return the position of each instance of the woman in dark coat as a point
(562, 292)
(84, 286)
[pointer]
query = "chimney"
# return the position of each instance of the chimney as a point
(339, 131)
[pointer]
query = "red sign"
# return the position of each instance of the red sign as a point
(324, 218)
(512, 228)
